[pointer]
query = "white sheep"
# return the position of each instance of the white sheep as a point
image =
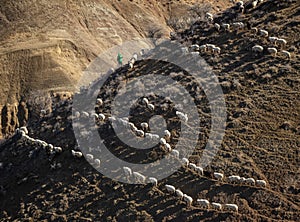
(204, 204)
(219, 176)
(89, 157)
(85, 114)
(254, 30)
(234, 179)
(257, 48)
(153, 181)
(188, 199)
(263, 33)
(286, 54)
(226, 26)
(167, 134)
(185, 161)
(250, 181)
(272, 51)
(175, 153)
(151, 106)
(216, 206)
(254, 3)
(152, 136)
(127, 171)
(217, 26)
(261, 183)
(170, 188)
(139, 177)
(24, 129)
(281, 42)
(216, 50)
(182, 116)
(101, 117)
(192, 166)
(97, 162)
(145, 101)
(240, 3)
(144, 126)
(162, 141)
(75, 153)
(179, 193)
(135, 56)
(194, 47)
(58, 149)
(199, 170)
(140, 133)
(273, 40)
(210, 47)
(231, 207)
(203, 48)
(99, 102)
(168, 147)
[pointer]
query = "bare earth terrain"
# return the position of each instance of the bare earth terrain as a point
(262, 138)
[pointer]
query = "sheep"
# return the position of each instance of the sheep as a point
(24, 129)
(153, 181)
(254, 3)
(281, 42)
(199, 170)
(254, 30)
(263, 33)
(182, 116)
(179, 193)
(217, 26)
(272, 51)
(144, 126)
(210, 47)
(145, 101)
(209, 17)
(99, 102)
(162, 141)
(219, 176)
(226, 26)
(139, 177)
(188, 200)
(140, 133)
(231, 207)
(240, 3)
(76, 153)
(185, 161)
(234, 179)
(261, 183)
(204, 204)
(257, 48)
(203, 48)
(168, 147)
(85, 114)
(170, 188)
(97, 162)
(192, 166)
(167, 134)
(127, 171)
(130, 65)
(89, 157)
(77, 115)
(216, 206)
(58, 149)
(175, 153)
(135, 56)
(286, 54)
(101, 117)
(194, 47)
(273, 40)
(216, 50)
(250, 181)
(151, 136)
(150, 106)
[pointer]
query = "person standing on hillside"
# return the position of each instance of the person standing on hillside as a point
(120, 59)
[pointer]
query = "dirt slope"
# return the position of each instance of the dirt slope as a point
(262, 140)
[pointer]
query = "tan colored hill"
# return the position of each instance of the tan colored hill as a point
(45, 45)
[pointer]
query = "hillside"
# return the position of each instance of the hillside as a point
(262, 137)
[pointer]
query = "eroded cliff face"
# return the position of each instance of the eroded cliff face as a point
(45, 45)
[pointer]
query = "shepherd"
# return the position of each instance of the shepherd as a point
(120, 59)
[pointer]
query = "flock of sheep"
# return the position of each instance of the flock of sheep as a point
(275, 44)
